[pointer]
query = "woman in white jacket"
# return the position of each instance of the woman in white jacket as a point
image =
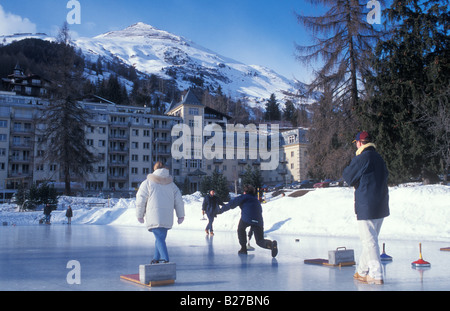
(156, 200)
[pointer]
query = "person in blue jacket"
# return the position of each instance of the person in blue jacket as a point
(251, 216)
(211, 208)
(368, 174)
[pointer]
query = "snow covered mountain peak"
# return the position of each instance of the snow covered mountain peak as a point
(140, 31)
(154, 51)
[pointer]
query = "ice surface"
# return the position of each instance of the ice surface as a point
(108, 241)
(36, 258)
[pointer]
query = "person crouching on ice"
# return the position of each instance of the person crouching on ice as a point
(156, 199)
(251, 216)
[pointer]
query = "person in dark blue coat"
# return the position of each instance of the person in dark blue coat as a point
(368, 174)
(211, 208)
(251, 216)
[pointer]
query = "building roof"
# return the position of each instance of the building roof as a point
(209, 110)
(188, 99)
(191, 99)
(299, 135)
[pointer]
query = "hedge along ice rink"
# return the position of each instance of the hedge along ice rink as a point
(417, 212)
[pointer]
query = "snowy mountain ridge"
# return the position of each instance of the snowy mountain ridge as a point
(154, 51)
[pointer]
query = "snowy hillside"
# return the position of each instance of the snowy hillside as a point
(417, 212)
(8, 39)
(158, 52)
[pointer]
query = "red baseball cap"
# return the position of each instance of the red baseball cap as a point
(362, 136)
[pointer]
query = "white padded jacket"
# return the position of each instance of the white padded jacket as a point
(156, 200)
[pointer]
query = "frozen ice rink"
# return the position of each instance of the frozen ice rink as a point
(35, 258)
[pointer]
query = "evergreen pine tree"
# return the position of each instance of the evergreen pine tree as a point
(33, 197)
(47, 194)
(65, 120)
(412, 76)
(344, 43)
(273, 112)
(252, 176)
(20, 195)
(247, 179)
(218, 183)
(345, 48)
(290, 113)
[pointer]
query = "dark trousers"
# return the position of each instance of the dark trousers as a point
(209, 226)
(258, 232)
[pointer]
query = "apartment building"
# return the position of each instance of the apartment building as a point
(196, 161)
(128, 140)
(194, 165)
(293, 155)
(17, 143)
(22, 84)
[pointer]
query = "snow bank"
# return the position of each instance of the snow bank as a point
(417, 212)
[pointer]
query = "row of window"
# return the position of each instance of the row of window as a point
(120, 133)
(26, 127)
(115, 172)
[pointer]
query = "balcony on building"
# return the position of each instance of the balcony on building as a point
(118, 177)
(217, 161)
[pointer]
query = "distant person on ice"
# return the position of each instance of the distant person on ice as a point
(211, 208)
(251, 216)
(47, 213)
(368, 174)
(156, 200)
(69, 215)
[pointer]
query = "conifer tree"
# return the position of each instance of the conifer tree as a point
(218, 183)
(290, 113)
(273, 112)
(410, 89)
(344, 43)
(252, 176)
(63, 135)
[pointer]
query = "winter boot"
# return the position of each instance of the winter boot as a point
(274, 248)
(243, 251)
(359, 277)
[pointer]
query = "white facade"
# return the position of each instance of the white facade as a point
(128, 140)
(292, 151)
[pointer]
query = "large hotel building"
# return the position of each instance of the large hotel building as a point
(128, 141)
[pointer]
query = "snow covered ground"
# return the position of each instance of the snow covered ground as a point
(419, 212)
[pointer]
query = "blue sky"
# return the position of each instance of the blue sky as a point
(261, 32)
